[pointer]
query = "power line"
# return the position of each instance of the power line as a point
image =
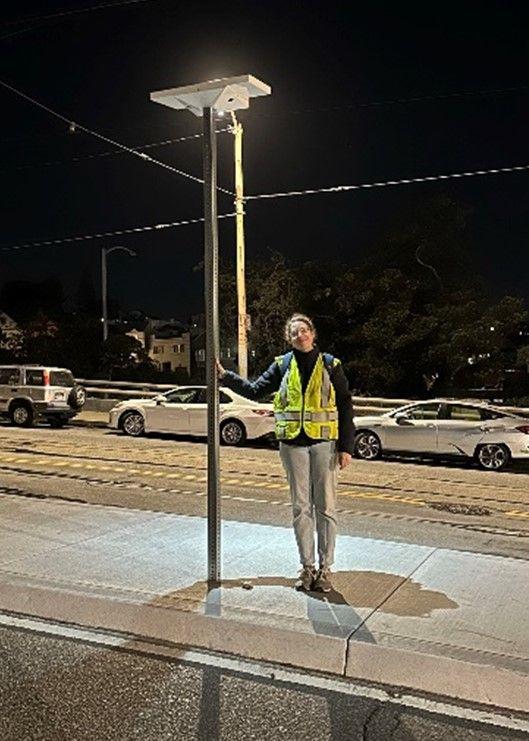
(386, 183)
(117, 233)
(114, 143)
(76, 11)
(399, 101)
(108, 153)
(332, 189)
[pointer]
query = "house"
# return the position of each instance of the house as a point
(167, 343)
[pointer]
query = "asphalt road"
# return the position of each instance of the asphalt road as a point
(72, 685)
(433, 503)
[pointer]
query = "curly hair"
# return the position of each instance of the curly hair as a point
(298, 318)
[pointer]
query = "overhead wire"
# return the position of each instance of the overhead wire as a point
(397, 101)
(115, 233)
(38, 21)
(106, 139)
(384, 184)
(108, 153)
(75, 11)
(260, 196)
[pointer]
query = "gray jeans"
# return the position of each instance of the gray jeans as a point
(312, 475)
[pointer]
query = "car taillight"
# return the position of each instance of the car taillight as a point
(46, 376)
(524, 429)
(263, 412)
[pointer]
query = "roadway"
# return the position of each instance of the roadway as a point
(450, 505)
(121, 689)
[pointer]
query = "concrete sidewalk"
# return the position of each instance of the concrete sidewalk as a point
(431, 620)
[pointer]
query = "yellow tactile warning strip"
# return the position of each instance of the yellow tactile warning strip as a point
(200, 478)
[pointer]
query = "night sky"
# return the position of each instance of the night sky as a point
(341, 112)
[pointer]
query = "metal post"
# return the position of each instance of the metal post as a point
(211, 271)
(242, 320)
(104, 292)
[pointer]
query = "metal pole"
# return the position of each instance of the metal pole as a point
(211, 274)
(104, 292)
(242, 319)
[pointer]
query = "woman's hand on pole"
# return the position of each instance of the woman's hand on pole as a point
(344, 459)
(221, 372)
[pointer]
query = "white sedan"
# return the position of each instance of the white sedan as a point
(183, 411)
(441, 427)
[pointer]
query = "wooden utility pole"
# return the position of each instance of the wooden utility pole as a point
(242, 318)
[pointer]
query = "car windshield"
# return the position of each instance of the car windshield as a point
(62, 378)
(181, 396)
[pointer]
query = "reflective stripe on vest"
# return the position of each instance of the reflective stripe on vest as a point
(330, 416)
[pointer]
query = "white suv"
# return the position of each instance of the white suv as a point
(31, 391)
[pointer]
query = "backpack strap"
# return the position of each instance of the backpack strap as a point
(330, 362)
(284, 361)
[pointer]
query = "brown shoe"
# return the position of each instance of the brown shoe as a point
(305, 579)
(322, 582)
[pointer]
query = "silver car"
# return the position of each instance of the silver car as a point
(29, 392)
(442, 427)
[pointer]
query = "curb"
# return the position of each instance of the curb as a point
(188, 625)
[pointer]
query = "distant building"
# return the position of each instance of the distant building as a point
(166, 342)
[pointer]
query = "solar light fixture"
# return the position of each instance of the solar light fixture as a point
(226, 94)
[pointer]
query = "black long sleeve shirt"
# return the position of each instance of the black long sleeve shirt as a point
(270, 381)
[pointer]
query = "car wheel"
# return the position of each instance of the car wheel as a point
(21, 415)
(232, 432)
(493, 456)
(77, 397)
(367, 446)
(133, 424)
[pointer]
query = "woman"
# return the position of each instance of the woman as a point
(314, 426)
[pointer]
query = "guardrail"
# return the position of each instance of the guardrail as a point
(121, 390)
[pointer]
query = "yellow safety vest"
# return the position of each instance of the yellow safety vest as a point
(315, 411)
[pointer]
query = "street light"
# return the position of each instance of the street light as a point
(104, 252)
(205, 99)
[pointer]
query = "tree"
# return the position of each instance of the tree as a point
(122, 352)
(429, 244)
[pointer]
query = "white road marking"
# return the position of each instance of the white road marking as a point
(275, 673)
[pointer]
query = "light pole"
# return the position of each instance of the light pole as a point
(204, 99)
(104, 252)
(242, 319)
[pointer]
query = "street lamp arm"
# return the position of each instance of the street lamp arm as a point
(108, 250)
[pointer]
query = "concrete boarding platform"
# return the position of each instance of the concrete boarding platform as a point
(416, 617)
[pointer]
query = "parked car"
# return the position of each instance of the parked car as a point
(183, 411)
(29, 392)
(443, 427)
